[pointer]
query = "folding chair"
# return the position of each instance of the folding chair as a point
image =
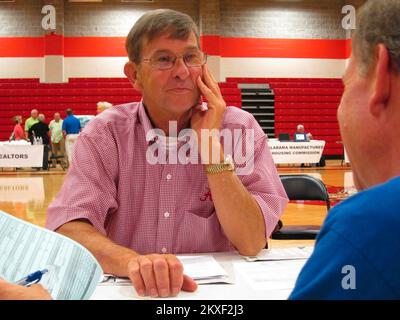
(301, 187)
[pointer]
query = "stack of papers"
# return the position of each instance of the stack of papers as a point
(282, 254)
(204, 269)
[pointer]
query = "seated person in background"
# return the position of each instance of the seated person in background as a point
(300, 129)
(9, 291)
(18, 132)
(103, 105)
(357, 253)
(135, 215)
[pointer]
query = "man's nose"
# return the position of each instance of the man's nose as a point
(180, 69)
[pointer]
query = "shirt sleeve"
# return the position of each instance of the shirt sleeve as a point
(64, 126)
(263, 182)
(89, 190)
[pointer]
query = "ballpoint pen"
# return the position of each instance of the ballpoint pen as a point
(32, 278)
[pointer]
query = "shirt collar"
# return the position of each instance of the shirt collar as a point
(151, 136)
(147, 126)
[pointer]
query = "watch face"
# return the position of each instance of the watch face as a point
(229, 159)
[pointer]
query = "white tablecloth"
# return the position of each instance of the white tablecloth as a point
(296, 152)
(15, 156)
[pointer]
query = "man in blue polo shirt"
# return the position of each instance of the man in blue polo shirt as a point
(357, 253)
(71, 127)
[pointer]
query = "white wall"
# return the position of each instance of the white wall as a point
(281, 68)
(21, 67)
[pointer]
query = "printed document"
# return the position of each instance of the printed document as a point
(73, 272)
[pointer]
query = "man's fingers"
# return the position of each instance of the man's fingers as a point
(188, 284)
(146, 270)
(175, 274)
(212, 99)
(210, 81)
(136, 278)
(205, 90)
(161, 274)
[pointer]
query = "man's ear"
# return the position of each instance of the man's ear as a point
(131, 72)
(381, 85)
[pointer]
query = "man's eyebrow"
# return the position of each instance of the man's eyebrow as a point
(162, 51)
(192, 48)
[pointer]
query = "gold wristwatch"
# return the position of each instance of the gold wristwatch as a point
(227, 165)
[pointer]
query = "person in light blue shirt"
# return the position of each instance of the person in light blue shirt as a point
(71, 127)
(357, 253)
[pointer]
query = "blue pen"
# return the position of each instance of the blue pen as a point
(32, 278)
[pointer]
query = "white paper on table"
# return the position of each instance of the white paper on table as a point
(73, 272)
(204, 269)
(109, 279)
(294, 253)
(270, 275)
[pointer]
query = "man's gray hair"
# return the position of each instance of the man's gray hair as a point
(378, 21)
(156, 23)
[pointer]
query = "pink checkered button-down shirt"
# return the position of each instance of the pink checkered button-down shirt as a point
(161, 208)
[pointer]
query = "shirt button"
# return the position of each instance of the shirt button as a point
(164, 250)
(169, 176)
(166, 214)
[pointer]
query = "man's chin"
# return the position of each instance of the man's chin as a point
(183, 104)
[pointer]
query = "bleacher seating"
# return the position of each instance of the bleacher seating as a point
(311, 102)
(20, 96)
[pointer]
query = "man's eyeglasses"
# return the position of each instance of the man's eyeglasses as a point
(164, 60)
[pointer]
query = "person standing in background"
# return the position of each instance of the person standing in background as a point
(71, 127)
(102, 106)
(33, 119)
(18, 132)
(41, 130)
(57, 141)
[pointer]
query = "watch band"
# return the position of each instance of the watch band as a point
(220, 167)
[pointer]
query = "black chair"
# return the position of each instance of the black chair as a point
(301, 187)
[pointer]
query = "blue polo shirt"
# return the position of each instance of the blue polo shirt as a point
(71, 125)
(357, 253)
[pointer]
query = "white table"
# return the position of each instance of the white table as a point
(296, 152)
(283, 275)
(16, 156)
